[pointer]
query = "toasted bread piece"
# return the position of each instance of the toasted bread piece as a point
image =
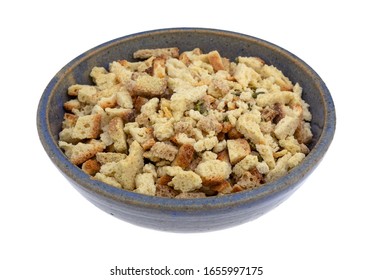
(123, 99)
(74, 90)
(163, 129)
(184, 156)
(128, 168)
(206, 144)
(290, 144)
(233, 133)
(237, 150)
(159, 68)
(81, 152)
(87, 94)
(116, 132)
(250, 129)
(91, 166)
(66, 136)
(69, 120)
(139, 102)
(149, 86)
(280, 79)
(286, 127)
(243, 74)
(278, 97)
(161, 52)
(166, 191)
(108, 102)
(250, 179)
(208, 124)
(280, 169)
(267, 154)
(87, 127)
(148, 144)
(223, 187)
(213, 172)
(128, 115)
(250, 161)
(163, 150)
(303, 133)
(183, 57)
(295, 160)
(164, 179)
(254, 62)
(105, 157)
(185, 181)
(237, 188)
(215, 60)
(72, 104)
(107, 179)
(145, 184)
(224, 156)
(102, 78)
(141, 134)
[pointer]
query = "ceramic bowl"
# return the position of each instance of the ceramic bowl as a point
(187, 215)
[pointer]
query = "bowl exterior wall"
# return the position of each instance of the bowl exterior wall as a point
(184, 220)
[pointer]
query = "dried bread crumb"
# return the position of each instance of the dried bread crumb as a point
(81, 152)
(149, 86)
(163, 150)
(87, 127)
(145, 184)
(184, 156)
(213, 172)
(184, 181)
(105, 157)
(128, 168)
(237, 149)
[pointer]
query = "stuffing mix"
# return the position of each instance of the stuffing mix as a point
(186, 125)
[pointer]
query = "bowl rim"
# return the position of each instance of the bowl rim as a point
(89, 184)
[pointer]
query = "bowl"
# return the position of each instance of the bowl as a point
(198, 214)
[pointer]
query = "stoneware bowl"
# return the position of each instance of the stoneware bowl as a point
(186, 215)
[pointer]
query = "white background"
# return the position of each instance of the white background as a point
(49, 231)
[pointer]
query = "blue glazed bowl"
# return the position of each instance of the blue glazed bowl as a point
(187, 215)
